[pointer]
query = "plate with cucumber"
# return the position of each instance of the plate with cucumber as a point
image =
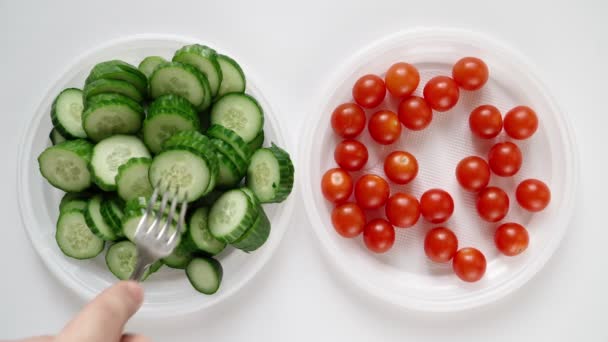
(166, 112)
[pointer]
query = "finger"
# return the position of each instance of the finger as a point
(104, 318)
(37, 339)
(134, 338)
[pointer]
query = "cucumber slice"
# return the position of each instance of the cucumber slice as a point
(208, 199)
(231, 215)
(166, 118)
(198, 234)
(180, 258)
(256, 235)
(121, 258)
(95, 220)
(230, 137)
(74, 200)
(103, 86)
(233, 78)
(240, 113)
(109, 114)
(251, 196)
(112, 213)
(74, 237)
(204, 59)
(181, 167)
(132, 179)
(111, 153)
(205, 274)
(257, 142)
(270, 174)
(56, 137)
(65, 165)
(119, 70)
(66, 113)
(228, 175)
(131, 220)
(181, 79)
(150, 63)
(200, 144)
(228, 151)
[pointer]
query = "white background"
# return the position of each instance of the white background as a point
(294, 46)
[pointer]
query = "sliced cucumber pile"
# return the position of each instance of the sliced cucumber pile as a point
(182, 120)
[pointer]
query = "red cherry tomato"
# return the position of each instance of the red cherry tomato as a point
(369, 91)
(533, 195)
(470, 73)
(469, 264)
(348, 120)
(351, 155)
(415, 113)
(384, 127)
(521, 122)
(441, 93)
(402, 79)
(511, 238)
(492, 204)
(505, 159)
(473, 173)
(348, 219)
(379, 235)
(401, 167)
(371, 191)
(402, 210)
(337, 185)
(436, 205)
(485, 121)
(440, 244)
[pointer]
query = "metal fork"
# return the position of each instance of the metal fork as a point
(152, 241)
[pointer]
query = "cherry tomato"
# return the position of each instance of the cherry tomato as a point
(402, 210)
(401, 167)
(384, 127)
(351, 155)
(348, 219)
(533, 195)
(369, 91)
(415, 113)
(473, 173)
(485, 121)
(371, 191)
(436, 205)
(505, 159)
(511, 238)
(402, 79)
(492, 204)
(441, 93)
(337, 185)
(440, 244)
(469, 264)
(470, 73)
(521, 122)
(379, 235)
(348, 120)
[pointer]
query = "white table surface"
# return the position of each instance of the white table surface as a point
(295, 45)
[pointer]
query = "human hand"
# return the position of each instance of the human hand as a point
(104, 318)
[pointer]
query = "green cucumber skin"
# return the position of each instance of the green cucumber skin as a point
(224, 89)
(111, 211)
(180, 258)
(206, 53)
(148, 64)
(228, 151)
(82, 148)
(109, 236)
(234, 177)
(206, 101)
(169, 105)
(58, 232)
(56, 137)
(257, 142)
(230, 137)
(286, 175)
(217, 267)
(256, 235)
(244, 224)
(109, 86)
(55, 120)
(119, 70)
(209, 248)
(98, 102)
(122, 169)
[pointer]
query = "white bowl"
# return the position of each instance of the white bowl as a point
(404, 276)
(168, 292)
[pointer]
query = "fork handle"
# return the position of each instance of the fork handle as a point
(140, 269)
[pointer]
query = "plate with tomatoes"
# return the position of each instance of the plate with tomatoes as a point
(437, 171)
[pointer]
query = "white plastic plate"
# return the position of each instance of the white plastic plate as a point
(168, 291)
(404, 276)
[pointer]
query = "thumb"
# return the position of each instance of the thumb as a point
(104, 318)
